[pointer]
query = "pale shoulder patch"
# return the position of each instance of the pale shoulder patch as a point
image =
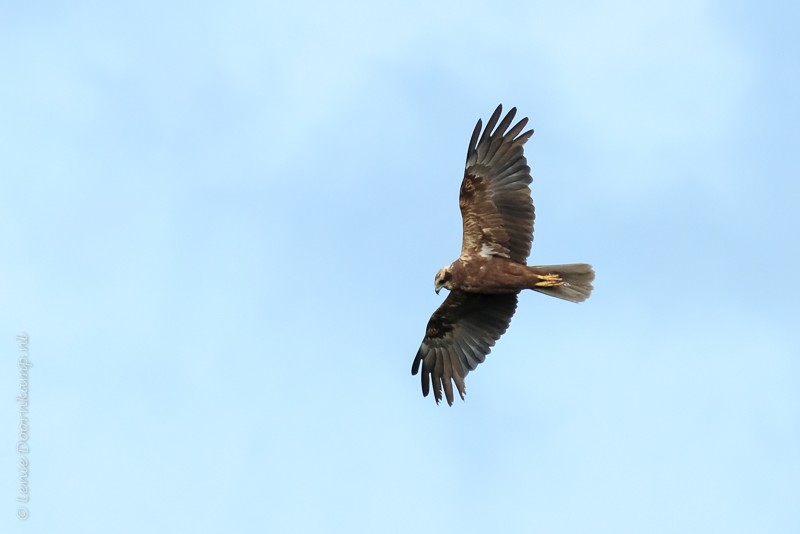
(488, 250)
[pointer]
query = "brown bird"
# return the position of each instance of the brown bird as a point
(497, 215)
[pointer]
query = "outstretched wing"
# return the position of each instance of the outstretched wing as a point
(459, 336)
(496, 206)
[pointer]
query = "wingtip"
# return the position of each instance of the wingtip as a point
(415, 365)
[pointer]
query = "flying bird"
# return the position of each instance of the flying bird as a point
(484, 282)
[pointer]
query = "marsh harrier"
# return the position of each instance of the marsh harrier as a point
(497, 215)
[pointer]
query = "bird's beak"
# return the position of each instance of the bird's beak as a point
(438, 289)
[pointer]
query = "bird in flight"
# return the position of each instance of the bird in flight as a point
(484, 282)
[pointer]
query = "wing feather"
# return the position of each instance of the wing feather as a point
(495, 200)
(482, 145)
(458, 337)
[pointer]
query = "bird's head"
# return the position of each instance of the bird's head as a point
(443, 279)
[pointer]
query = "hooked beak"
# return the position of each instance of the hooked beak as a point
(438, 289)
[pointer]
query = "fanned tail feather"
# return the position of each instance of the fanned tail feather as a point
(575, 281)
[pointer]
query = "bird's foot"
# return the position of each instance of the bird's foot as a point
(549, 280)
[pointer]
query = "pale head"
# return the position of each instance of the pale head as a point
(443, 279)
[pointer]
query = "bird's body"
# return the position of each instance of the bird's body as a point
(489, 275)
(484, 282)
(501, 275)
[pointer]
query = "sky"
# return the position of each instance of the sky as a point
(222, 223)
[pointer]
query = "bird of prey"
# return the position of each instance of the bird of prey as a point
(483, 283)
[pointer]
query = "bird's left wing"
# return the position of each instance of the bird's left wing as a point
(459, 336)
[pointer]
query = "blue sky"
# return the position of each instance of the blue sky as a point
(222, 224)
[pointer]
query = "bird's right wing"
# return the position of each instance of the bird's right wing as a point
(495, 200)
(459, 336)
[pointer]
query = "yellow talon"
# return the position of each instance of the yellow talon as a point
(549, 280)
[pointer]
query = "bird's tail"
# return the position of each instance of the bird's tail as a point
(572, 282)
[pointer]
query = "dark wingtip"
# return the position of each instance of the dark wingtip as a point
(473, 141)
(511, 114)
(415, 365)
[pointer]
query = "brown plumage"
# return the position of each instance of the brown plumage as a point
(497, 214)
